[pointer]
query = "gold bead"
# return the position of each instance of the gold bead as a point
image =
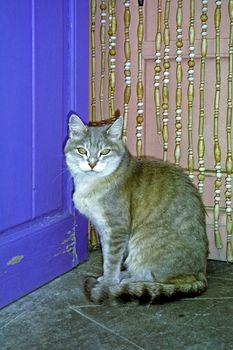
(179, 44)
(112, 52)
(166, 65)
(103, 7)
(139, 119)
(191, 63)
(204, 17)
(178, 125)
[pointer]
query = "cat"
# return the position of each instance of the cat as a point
(147, 213)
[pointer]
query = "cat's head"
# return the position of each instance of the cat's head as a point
(94, 151)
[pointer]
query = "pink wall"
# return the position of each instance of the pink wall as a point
(152, 142)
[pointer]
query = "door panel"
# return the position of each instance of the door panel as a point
(15, 87)
(48, 99)
(41, 236)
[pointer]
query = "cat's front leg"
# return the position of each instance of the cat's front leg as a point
(113, 247)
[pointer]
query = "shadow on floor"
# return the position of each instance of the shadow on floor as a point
(58, 316)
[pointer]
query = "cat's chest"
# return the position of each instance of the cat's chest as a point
(85, 205)
(86, 201)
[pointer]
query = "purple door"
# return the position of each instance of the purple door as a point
(43, 76)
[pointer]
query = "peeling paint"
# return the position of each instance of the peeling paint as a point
(69, 246)
(15, 260)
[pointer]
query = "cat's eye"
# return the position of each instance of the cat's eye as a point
(105, 151)
(82, 150)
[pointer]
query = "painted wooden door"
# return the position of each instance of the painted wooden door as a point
(44, 75)
(152, 141)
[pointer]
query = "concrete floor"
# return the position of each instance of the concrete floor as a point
(57, 316)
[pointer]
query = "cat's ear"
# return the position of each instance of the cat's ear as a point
(76, 127)
(115, 130)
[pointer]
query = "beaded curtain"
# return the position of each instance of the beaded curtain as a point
(164, 95)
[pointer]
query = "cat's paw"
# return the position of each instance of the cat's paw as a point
(95, 291)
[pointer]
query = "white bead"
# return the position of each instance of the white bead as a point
(204, 33)
(157, 77)
(191, 55)
(204, 26)
(156, 84)
(140, 104)
(191, 48)
(140, 111)
(179, 52)
(166, 73)
(167, 49)
(178, 59)
(179, 30)
(166, 81)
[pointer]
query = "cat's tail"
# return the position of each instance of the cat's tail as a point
(145, 292)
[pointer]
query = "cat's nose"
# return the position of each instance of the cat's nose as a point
(92, 164)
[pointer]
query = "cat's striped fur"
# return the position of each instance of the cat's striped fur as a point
(147, 214)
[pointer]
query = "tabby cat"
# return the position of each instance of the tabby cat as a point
(147, 213)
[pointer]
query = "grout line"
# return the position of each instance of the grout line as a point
(105, 328)
(206, 298)
(200, 314)
(12, 320)
(83, 306)
(220, 278)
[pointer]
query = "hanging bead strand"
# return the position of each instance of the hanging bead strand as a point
(179, 74)
(112, 56)
(217, 149)
(140, 81)
(93, 62)
(201, 142)
(103, 8)
(229, 162)
(93, 240)
(127, 71)
(191, 65)
(157, 68)
(165, 91)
